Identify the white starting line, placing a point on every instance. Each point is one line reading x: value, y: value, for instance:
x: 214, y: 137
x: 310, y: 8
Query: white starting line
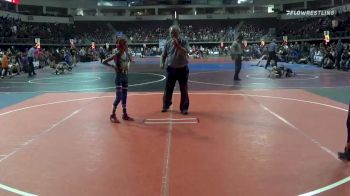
x: 167, y: 122
x: 171, y: 120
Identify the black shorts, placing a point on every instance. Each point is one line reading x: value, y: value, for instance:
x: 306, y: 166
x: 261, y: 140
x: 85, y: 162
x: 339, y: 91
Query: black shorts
x: 121, y: 80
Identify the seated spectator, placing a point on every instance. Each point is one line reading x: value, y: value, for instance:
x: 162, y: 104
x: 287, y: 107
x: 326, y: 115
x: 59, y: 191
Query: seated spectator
x: 328, y: 61
x: 344, y: 62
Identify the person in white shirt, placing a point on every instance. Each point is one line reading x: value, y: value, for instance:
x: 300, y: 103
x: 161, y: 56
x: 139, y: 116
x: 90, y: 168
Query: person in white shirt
x: 31, y: 55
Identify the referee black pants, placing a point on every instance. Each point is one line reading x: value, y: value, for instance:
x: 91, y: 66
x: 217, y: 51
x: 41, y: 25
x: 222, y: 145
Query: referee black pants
x: 348, y: 124
x: 272, y: 56
x: 238, y: 67
x: 173, y: 75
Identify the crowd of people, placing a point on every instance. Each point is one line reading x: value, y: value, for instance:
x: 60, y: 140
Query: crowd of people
x: 202, y: 37
x: 335, y: 55
x: 309, y: 28
x: 14, y: 61
x: 15, y: 31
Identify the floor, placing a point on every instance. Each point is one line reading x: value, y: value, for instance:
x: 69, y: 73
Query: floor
x: 260, y: 136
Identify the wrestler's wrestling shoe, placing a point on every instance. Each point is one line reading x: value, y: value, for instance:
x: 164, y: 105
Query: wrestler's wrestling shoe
x: 344, y: 155
x: 113, y: 119
x: 127, y: 117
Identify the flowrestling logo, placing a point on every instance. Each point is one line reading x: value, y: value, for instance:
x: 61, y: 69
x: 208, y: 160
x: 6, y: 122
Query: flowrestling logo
x: 310, y: 12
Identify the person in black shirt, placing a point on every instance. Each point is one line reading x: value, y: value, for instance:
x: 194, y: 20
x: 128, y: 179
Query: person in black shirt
x: 236, y: 55
x: 346, y: 154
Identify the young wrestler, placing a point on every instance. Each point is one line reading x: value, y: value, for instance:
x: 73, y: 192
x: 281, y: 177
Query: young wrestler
x: 122, y: 61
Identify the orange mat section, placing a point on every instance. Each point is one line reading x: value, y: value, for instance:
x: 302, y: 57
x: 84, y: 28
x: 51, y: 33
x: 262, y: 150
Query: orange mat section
x: 250, y: 143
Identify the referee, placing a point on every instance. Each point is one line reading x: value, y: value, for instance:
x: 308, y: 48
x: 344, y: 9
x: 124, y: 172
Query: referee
x: 272, y: 49
x: 236, y: 55
x: 175, y: 60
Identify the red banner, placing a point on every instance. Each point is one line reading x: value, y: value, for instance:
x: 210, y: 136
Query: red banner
x: 13, y: 1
